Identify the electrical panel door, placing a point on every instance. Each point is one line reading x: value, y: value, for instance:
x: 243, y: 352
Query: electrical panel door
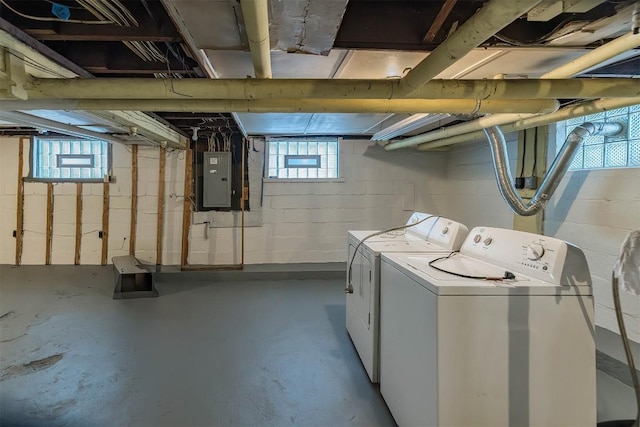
x: 216, y: 180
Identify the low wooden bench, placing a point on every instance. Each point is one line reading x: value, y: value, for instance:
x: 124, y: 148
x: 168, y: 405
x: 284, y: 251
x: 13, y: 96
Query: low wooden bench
x: 133, y: 279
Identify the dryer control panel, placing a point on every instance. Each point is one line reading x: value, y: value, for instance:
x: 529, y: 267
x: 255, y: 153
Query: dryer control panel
x: 422, y: 229
x: 534, y: 255
x: 448, y: 234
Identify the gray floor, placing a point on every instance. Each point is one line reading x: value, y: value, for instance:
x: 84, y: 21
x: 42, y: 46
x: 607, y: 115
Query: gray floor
x: 231, y: 353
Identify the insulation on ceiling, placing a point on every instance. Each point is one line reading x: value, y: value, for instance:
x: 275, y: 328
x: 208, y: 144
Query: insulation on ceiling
x: 305, y: 26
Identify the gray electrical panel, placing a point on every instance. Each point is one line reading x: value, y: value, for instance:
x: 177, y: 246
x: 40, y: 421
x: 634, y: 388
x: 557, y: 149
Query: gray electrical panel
x: 216, y: 180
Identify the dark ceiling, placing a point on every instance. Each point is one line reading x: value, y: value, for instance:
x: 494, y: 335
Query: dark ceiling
x: 146, y: 43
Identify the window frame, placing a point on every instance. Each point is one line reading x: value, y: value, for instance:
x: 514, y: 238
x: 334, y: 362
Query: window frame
x: 33, y: 141
x: 338, y: 178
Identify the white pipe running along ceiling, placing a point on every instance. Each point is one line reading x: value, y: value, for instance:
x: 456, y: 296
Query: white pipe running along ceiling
x: 614, y: 48
x: 38, y: 65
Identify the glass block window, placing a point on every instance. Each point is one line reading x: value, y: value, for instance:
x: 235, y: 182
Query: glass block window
x: 69, y: 159
x: 308, y: 158
x: 601, y: 152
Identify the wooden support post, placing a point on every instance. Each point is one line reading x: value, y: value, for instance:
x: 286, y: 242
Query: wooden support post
x: 186, y: 209
x: 160, y: 230
x: 49, y: 231
x: 20, y: 203
x: 134, y: 200
x: 105, y: 223
x: 76, y: 260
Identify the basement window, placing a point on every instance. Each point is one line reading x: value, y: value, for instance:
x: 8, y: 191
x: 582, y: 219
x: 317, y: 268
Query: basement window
x: 606, y: 152
x: 57, y: 159
x: 303, y: 158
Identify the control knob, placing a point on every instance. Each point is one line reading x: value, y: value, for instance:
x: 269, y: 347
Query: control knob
x: 487, y: 241
x: 535, y: 251
x: 477, y: 238
x: 445, y: 230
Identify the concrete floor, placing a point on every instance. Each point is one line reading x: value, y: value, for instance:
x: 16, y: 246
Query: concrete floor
x: 231, y: 353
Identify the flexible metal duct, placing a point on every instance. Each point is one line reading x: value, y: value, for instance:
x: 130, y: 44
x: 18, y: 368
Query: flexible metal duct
x: 554, y: 174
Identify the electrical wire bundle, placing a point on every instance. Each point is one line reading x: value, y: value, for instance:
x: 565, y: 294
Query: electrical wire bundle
x: 107, y: 12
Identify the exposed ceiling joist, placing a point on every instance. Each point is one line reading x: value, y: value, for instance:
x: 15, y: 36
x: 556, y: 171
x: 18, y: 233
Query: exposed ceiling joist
x: 74, y: 32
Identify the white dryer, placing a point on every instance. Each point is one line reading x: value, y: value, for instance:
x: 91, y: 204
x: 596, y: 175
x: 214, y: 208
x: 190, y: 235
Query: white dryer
x: 434, y: 235
x: 457, y: 351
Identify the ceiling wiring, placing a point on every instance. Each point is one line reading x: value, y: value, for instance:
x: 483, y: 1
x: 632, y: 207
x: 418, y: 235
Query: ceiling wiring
x: 52, y: 19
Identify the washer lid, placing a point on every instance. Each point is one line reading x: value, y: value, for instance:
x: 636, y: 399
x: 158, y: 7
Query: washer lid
x: 403, y: 244
x: 416, y: 266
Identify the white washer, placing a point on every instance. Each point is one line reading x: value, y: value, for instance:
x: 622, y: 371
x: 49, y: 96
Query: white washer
x: 465, y: 352
x: 434, y: 235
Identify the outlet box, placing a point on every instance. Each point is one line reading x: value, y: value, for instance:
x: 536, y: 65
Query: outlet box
x: 531, y: 182
x: 100, y: 234
x: 519, y: 183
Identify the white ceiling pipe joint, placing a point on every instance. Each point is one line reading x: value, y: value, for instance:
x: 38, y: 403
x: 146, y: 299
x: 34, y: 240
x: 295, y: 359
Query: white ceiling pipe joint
x: 555, y: 173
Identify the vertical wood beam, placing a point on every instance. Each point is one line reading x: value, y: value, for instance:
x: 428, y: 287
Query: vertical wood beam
x: 49, y: 231
x: 105, y: 223
x: 134, y: 200
x: 76, y: 260
x: 186, y: 208
x: 20, y: 203
x: 160, y: 229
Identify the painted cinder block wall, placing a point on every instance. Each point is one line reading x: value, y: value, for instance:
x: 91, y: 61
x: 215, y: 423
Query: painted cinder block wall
x: 64, y: 210
x: 297, y: 222
x: 308, y: 221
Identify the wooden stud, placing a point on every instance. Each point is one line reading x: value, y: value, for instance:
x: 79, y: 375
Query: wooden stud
x: 20, y: 203
x: 134, y: 200
x: 186, y: 209
x: 105, y: 222
x: 76, y: 260
x: 160, y: 229
x: 49, y: 236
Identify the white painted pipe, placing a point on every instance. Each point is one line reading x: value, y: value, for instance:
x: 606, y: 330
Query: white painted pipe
x: 597, y: 56
x: 491, y: 18
x: 462, y: 128
x: 566, y: 113
x: 458, y: 106
x: 594, y: 57
x: 256, y: 19
x: 20, y: 118
x: 142, y: 88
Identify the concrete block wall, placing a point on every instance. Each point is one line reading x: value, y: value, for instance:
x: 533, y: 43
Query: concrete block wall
x: 64, y: 210
x: 472, y: 195
x: 308, y: 221
x: 596, y: 210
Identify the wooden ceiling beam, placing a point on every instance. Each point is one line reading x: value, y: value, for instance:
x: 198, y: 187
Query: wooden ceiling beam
x: 74, y: 32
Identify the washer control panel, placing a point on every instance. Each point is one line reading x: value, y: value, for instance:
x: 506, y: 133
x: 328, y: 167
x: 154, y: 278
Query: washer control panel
x: 538, y: 256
